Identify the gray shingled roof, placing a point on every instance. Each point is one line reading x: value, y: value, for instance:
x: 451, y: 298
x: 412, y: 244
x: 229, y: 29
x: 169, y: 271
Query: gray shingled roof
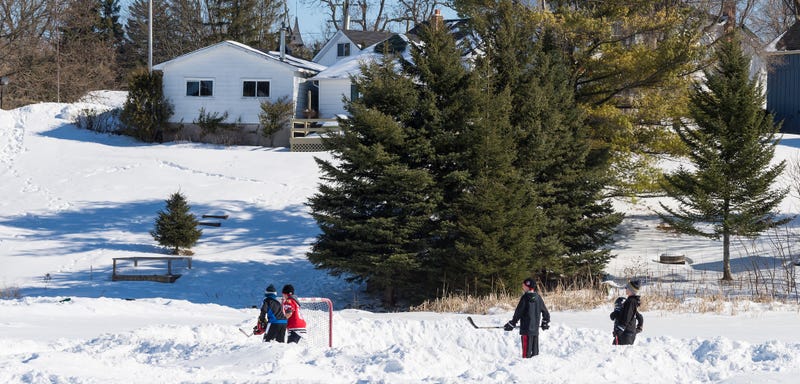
x: 366, y: 38
x: 790, y: 40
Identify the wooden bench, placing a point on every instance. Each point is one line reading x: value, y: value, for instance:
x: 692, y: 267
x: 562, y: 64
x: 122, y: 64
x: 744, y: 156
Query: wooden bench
x: 169, y: 277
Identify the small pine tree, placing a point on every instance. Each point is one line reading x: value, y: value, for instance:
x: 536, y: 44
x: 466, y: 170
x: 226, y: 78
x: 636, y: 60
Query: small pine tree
x: 176, y: 227
x: 731, y: 145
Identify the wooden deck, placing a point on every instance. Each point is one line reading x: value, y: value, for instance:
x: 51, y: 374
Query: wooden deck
x: 306, y: 134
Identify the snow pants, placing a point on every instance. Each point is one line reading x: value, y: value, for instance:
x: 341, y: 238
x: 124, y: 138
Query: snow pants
x: 624, y: 338
x: 294, y: 336
x: 275, y: 332
x: 530, y: 345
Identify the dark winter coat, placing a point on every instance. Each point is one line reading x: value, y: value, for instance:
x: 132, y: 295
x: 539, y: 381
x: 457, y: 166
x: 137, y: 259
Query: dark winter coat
x: 272, y: 311
x: 629, y: 317
x: 530, y: 311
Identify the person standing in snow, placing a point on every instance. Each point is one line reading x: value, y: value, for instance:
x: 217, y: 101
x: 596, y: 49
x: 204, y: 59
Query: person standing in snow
x: 529, y: 311
x: 627, y: 319
x: 271, y: 320
x: 296, y: 324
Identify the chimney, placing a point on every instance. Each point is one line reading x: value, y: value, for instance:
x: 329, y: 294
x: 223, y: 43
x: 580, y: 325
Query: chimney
x: 437, y: 19
x: 283, y: 42
x: 346, y: 16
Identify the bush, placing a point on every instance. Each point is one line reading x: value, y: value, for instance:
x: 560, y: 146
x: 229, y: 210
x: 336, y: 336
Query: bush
x: 98, y: 121
x: 275, y: 116
x: 211, y: 123
x: 146, y: 111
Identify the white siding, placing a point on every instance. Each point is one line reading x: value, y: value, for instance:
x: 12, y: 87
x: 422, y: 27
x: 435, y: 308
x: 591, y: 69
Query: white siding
x: 228, y: 67
x: 328, y: 55
x: 331, y: 92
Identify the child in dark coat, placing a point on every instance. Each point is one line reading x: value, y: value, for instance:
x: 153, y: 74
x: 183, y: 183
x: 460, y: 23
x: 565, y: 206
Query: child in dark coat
x: 529, y: 311
x: 627, y: 319
x: 271, y: 321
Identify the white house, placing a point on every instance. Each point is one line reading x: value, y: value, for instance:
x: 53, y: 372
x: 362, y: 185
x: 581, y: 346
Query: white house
x: 347, y: 43
x: 233, y: 78
x: 333, y: 84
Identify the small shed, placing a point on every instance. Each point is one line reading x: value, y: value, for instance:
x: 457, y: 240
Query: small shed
x: 783, y: 79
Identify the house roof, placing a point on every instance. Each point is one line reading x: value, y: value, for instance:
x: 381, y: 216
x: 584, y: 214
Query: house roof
x: 299, y: 64
x: 351, y: 66
x: 787, y: 41
x: 366, y: 38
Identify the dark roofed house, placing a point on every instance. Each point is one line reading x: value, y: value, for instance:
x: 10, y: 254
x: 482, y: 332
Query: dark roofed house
x: 783, y: 79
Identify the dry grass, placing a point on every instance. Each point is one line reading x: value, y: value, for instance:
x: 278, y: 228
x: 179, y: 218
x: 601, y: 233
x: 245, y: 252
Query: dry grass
x: 587, y: 299
x: 10, y: 293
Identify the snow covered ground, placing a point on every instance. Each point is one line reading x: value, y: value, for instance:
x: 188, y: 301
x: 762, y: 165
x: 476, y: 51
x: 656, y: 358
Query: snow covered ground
x: 72, y: 200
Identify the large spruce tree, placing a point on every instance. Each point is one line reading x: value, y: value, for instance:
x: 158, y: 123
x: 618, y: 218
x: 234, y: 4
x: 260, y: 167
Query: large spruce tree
x: 375, y: 207
x: 565, y: 174
x: 731, y: 139
x: 422, y: 194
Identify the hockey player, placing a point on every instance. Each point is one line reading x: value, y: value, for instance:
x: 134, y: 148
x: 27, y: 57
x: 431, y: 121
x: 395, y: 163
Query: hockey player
x: 528, y: 312
x: 296, y: 324
x: 627, y: 319
x: 271, y: 320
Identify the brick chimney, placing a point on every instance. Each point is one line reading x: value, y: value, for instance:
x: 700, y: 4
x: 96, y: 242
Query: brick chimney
x: 437, y: 19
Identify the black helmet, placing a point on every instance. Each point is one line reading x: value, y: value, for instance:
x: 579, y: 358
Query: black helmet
x: 288, y: 289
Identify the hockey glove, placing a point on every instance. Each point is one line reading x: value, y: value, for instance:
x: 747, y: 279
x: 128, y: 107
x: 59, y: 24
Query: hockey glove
x: 545, y: 325
x: 508, y: 327
x: 259, y: 329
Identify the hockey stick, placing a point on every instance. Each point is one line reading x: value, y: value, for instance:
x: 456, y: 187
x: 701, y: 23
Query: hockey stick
x: 484, y: 327
x: 245, y: 333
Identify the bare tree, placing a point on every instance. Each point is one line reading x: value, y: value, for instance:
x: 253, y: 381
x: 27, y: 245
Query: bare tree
x: 367, y: 15
x: 23, y: 23
x: 413, y: 12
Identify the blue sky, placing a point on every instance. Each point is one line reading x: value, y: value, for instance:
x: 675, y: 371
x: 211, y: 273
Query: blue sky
x: 311, y: 18
x: 310, y: 15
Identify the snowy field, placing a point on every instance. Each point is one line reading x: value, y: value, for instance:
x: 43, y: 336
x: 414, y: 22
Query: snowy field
x: 72, y: 200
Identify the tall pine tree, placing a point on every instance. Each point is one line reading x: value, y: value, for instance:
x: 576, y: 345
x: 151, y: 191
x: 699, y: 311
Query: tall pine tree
x: 729, y: 191
x: 374, y: 207
x: 565, y: 174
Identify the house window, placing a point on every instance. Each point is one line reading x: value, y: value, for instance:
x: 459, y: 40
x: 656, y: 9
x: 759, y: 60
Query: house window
x: 354, y: 95
x: 199, y: 88
x: 343, y: 49
x: 253, y: 88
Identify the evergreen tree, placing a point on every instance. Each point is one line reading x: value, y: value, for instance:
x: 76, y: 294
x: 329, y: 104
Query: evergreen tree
x: 146, y: 111
x: 627, y: 62
x: 251, y: 22
x: 565, y: 175
x: 423, y: 193
x: 373, y: 208
x: 109, y: 25
x: 176, y: 227
x: 731, y: 141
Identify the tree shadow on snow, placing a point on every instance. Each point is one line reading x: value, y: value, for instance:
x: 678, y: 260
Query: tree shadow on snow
x: 275, y: 236
x: 743, y: 264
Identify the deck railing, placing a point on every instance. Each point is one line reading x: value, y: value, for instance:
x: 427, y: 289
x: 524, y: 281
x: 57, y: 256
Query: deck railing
x: 305, y: 133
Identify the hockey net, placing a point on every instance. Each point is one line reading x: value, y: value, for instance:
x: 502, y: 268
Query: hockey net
x: 318, y: 313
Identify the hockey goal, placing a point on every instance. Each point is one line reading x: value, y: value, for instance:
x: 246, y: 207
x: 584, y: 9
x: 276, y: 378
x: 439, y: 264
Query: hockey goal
x: 318, y: 313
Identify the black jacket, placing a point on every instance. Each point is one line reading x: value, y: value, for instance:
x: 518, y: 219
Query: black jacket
x: 530, y: 311
x: 272, y: 311
x: 629, y: 317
